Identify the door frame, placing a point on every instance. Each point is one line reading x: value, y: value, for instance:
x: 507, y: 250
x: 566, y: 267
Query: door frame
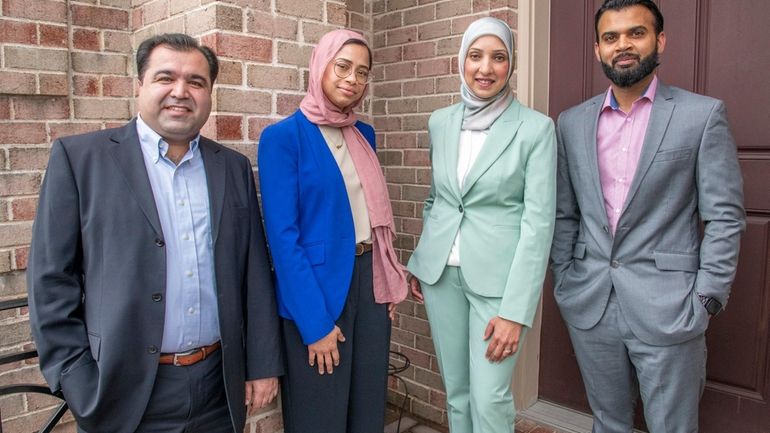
x: 532, y: 90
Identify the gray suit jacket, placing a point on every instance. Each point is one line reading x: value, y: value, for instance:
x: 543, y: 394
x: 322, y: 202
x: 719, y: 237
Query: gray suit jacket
x: 96, y: 278
x: 657, y: 261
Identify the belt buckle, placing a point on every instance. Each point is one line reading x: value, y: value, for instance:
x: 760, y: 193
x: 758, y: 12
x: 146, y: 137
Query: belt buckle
x: 359, y: 249
x: 178, y: 363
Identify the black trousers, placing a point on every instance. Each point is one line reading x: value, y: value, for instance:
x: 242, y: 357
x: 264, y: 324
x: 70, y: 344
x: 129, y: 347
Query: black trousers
x: 352, y: 398
x: 188, y: 400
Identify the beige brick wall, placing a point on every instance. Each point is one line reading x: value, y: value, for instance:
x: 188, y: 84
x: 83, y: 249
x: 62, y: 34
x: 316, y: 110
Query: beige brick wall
x: 416, y: 44
x: 66, y: 67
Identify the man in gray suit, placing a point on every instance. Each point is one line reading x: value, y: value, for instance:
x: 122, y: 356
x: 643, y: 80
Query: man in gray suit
x: 151, y: 301
x: 640, y: 167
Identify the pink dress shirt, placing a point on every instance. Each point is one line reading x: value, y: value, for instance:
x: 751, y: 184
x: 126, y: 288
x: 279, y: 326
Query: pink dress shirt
x: 619, y: 140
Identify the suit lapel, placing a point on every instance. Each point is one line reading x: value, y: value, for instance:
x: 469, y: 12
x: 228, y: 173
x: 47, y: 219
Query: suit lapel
x: 500, y: 136
x: 662, y: 108
x: 590, y: 127
x: 127, y: 153
x: 216, y: 178
x: 452, y: 147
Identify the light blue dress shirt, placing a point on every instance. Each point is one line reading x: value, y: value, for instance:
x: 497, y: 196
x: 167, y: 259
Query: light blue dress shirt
x: 182, y: 200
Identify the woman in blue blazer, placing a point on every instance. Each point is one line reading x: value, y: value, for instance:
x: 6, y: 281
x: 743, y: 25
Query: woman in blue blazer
x: 330, y: 229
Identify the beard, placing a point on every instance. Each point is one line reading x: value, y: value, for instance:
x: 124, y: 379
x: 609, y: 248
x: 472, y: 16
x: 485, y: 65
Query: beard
x: 627, y: 77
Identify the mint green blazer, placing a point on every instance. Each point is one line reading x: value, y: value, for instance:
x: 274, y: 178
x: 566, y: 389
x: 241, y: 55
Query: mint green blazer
x: 506, y: 209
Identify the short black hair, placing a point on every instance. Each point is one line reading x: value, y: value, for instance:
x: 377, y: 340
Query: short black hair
x: 176, y: 42
x: 363, y: 44
x: 616, y: 5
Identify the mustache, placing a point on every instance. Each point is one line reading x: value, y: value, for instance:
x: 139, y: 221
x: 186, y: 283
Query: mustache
x: 624, y: 56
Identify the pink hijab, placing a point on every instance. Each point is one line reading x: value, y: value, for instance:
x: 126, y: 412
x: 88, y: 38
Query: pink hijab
x: 389, y: 279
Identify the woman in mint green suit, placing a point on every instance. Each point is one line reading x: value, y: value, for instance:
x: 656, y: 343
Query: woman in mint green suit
x: 487, y: 228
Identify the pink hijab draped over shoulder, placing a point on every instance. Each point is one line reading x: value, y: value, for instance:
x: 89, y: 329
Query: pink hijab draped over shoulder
x: 389, y: 279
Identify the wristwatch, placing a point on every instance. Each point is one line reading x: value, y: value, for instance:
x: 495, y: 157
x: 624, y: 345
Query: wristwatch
x: 712, y: 306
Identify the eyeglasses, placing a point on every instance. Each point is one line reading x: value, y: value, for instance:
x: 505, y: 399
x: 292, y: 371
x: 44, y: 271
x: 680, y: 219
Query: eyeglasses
x: 344, y: 69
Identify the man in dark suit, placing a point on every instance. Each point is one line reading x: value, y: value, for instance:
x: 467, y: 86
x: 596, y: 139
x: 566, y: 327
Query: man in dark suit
x: 151, y: 301
x: 641, y: 166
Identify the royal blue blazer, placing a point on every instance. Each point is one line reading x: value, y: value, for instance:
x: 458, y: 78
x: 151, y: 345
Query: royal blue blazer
x: 308, y: 222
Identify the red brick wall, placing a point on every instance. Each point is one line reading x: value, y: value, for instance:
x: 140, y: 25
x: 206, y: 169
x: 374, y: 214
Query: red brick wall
x: 416, y: 45
x: 64, y: 70
x: 67, y: 68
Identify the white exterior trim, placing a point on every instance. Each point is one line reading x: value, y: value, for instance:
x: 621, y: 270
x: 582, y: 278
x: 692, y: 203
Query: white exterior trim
x: 532, y: 83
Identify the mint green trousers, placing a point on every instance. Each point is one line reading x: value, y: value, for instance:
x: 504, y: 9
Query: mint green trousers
x: 479, y: 397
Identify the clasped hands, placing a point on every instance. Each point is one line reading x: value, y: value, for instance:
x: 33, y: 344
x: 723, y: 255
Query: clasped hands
x: 502, y: 334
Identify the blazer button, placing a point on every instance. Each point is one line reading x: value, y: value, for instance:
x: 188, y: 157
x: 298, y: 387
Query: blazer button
x: 615, y: 264
x: 159, y: 242
x: 606, y: 229
x: 157, y: 297
x: 152, y: 350
x: 460, y: 208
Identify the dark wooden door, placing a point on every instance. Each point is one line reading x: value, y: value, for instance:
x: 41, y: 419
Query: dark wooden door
x: 718, y: 48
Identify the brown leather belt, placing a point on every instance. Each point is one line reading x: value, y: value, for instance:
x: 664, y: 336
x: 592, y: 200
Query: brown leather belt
x: 183, y: 359
x: 363, y: 248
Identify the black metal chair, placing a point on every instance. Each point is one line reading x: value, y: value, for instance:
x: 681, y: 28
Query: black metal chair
x: 25, y: 388
x: 401, y: 364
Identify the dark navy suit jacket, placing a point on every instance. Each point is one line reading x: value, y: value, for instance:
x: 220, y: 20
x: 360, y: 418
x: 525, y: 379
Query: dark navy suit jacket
x: 97, y: 272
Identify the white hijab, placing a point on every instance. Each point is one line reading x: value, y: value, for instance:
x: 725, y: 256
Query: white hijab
x: 481, y: 113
